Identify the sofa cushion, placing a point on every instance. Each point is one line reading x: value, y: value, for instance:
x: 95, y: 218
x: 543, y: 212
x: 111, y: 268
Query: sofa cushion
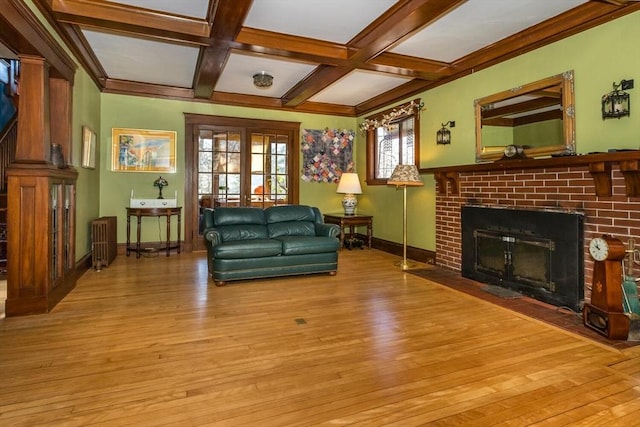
x: 299, y: 245
x: 287, y: 213
x: 242, y: 232
x: 255, y: 248
x: 239, y: 216
x: 292, y: 228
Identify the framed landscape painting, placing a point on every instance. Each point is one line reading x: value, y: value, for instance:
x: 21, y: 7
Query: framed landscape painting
x: 142, y: 150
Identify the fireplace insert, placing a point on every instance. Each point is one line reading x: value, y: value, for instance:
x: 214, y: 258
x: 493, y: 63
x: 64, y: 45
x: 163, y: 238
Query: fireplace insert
x: 536, y: 252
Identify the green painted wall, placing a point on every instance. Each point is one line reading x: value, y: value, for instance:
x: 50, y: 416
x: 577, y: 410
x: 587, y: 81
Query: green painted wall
x: 160, y: 114
x: 599, y: 57
x: 86, y: 112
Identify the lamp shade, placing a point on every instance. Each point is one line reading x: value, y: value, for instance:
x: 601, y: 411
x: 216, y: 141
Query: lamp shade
x: 405, y: 175
x: 349, y: 184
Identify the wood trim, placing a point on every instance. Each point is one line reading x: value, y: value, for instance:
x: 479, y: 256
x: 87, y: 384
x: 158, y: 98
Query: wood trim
x: 413, y: 253
x: 599, y: 166
x: 213, y: 58
x: 328, y: 52
x: 24, y: 34
x: 127, y: 18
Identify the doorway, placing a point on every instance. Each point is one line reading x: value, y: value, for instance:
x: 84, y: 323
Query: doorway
x: 235, y: 162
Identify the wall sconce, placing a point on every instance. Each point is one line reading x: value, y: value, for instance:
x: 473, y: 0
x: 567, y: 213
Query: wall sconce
x: 263, y: 80
x: 443, y: 136
x: 617, y: 103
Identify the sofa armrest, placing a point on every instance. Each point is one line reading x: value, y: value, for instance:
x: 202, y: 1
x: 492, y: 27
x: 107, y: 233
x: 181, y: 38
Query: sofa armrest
x: 330, y: 230
x: 212, y: 236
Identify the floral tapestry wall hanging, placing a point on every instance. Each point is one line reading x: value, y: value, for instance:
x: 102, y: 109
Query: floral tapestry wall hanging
x: 326, y: 154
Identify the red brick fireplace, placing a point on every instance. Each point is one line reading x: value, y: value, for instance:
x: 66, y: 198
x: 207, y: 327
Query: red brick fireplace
x: 604, y: 187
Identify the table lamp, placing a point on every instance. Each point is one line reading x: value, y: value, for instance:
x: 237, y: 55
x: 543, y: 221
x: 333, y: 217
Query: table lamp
x: 349, y: 185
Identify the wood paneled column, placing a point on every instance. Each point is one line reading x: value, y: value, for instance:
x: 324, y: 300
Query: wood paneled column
x: 33, y: 111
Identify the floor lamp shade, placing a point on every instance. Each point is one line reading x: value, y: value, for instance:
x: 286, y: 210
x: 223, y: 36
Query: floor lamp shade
x: 349, y: 185
x: 405, y: 176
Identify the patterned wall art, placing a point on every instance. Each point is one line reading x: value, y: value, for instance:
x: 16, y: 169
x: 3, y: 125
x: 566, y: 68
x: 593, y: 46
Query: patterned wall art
x: 326, y: 154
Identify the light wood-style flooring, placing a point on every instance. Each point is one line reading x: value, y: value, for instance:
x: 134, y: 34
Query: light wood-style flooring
x: 154, y: 342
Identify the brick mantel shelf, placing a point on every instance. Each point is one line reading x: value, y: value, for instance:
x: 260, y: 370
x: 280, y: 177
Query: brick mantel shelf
x: 599, y: 167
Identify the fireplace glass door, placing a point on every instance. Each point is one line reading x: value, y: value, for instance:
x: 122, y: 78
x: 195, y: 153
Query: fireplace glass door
x: 514, y: 258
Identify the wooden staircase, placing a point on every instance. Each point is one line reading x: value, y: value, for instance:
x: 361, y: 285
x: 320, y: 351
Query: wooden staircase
x: 8, y: 140
x: 8, y: 143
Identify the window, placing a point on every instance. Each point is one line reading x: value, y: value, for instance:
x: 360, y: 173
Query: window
x: 396, y: 142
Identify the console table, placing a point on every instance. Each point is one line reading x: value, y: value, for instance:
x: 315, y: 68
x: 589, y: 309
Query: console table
x: 350, y: 221
x: 139, y: 213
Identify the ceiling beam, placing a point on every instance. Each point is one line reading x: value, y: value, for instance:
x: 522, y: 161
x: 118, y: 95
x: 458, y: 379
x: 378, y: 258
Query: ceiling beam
x: 258, y: 40
x: 127, y: 18
x: 227, y: 23
x: 399, y: 22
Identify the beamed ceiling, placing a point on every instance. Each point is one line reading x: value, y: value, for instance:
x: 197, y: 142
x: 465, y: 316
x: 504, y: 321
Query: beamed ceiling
x: 345, y: 57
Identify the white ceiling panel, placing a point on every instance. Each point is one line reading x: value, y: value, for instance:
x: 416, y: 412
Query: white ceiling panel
x: 330, y: 20
x: 357, y: 87
x: 170, y: 52
x: 479, y: 23
x: 139, y: 60
x: 193, y: 8
x: 237, y: 76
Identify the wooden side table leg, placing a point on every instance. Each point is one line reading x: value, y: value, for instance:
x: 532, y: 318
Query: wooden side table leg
x: 370, y: 231
x: 179, y: 226
x: 341, y: 234
x: 168, y: 234
x: 139, y: 219
x: 128, y: 233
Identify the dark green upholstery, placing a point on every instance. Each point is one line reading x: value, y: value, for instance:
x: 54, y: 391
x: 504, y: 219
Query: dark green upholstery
x: 248, y: 243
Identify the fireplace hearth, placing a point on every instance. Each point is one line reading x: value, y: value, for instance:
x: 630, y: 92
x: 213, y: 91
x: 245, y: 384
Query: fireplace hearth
x: 536, y: 252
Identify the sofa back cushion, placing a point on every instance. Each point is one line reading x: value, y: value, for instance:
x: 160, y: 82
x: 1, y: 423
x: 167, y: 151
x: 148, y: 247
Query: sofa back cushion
x: 290, y: 220
x: 240, y: 223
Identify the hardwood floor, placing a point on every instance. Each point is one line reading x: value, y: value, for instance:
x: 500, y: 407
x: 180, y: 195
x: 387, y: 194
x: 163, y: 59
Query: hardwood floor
x: 154, y: 342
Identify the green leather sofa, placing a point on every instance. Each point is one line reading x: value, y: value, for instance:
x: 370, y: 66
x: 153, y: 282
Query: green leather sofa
x: 249, y: 243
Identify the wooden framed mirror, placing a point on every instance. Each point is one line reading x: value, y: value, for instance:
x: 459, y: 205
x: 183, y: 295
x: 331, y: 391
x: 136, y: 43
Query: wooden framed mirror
x: 538, y: 116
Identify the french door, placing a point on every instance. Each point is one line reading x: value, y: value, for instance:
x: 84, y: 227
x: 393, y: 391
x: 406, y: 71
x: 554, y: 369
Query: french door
x: 237, y: 162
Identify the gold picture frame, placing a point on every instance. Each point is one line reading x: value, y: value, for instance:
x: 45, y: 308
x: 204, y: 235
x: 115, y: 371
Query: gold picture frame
x: 142, y: 150
x: 89, y: 141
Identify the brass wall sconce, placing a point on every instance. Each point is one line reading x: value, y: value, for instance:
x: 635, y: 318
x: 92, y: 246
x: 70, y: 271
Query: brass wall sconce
x: 617, y: 103
x: 443, y: 136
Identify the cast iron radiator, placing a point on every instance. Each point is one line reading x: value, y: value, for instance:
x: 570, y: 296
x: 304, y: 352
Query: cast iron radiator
x: 103, y: 241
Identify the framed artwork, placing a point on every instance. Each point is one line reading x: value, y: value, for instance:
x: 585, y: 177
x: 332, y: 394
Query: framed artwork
x: 89, y: 139
x: 142, y: 150
x: 326, y: 154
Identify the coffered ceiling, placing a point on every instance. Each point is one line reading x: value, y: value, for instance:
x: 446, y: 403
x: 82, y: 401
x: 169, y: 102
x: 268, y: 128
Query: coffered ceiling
x: 345, y: 57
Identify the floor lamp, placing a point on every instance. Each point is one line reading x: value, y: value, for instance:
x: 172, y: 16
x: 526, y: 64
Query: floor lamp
x: 405, y: 176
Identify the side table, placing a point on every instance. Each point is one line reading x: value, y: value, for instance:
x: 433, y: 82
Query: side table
x: 138, y: 213
x: 350, y: 221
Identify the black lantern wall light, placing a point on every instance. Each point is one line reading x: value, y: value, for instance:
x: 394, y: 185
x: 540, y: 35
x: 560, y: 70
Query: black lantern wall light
x: 617, y: 103
x: 443, y: 136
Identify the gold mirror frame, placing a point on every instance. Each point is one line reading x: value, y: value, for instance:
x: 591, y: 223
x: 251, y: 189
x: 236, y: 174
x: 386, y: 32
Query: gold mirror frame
x: 560, y: 85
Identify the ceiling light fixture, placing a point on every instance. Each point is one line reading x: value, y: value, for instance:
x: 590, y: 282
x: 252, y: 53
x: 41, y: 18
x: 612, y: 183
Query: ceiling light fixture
x: 262, y: 80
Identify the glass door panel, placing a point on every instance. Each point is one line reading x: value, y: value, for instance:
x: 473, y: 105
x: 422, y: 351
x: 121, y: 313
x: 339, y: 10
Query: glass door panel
x: 269, y: 169
x: 236, y: 162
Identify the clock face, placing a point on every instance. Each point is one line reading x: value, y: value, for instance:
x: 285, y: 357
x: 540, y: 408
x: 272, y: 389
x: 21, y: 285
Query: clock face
x: 510, y: 150
x: 599, y: 249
